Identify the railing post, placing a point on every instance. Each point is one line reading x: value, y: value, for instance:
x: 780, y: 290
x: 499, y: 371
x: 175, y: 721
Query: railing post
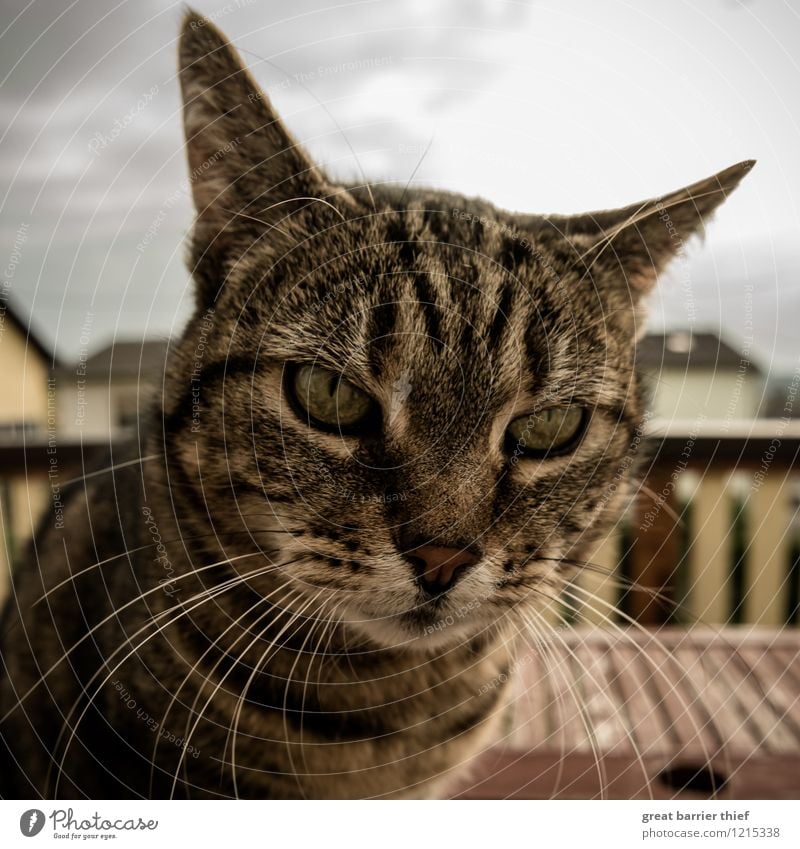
x: 603, y: 587
x: 709, y: 554
x: 769, y: 519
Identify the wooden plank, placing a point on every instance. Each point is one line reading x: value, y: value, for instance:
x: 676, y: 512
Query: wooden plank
x: 781, y: 702
x: 682, y: 700
x: 704, y: 635
x: 786, y: 685
x: 637, y: 716
x: 606, y: 713
x: 643, y: 711
x: 789, y: 658
x: 503, y: 775
x: 656, y: 546
x: 766, y: 778
x: 747, y: 700
x: 532, y: 702
x: 720, y: 720
x: 568, y: 715
x: 557, y: 724
x: 687, y: 662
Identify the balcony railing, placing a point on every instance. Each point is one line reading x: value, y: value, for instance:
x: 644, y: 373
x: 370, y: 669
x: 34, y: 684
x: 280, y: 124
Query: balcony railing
x: 715, y: 531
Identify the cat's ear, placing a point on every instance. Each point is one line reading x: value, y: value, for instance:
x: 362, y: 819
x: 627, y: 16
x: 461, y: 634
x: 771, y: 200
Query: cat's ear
x: 642, y: 238
x: 243, y: 162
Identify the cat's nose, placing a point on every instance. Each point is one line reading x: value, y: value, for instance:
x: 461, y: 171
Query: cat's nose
x: 438, y: 567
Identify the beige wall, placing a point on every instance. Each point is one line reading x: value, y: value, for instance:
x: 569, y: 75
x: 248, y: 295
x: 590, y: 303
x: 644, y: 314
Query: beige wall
x: 721, y: 394
x: 23, y: 378
x: 23, y: 398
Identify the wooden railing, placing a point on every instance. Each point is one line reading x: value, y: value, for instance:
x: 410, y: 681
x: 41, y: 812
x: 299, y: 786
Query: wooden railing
x: 714, y: 530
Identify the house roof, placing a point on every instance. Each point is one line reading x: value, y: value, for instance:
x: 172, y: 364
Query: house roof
x: 27, y: 331
x: 128, y: 358
x: 685, y: 350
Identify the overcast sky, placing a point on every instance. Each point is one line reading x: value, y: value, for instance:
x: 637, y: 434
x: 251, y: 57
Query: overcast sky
x: 558, y: 106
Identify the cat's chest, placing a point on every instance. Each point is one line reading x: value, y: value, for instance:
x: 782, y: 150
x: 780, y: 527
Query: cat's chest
x: 349, y: 726
x: 397, y: 732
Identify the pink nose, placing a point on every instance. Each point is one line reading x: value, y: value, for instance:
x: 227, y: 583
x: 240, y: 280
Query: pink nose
x: 439, y: 566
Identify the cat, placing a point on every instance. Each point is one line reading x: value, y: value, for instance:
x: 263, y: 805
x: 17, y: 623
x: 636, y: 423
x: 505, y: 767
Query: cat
x: 396, y: 423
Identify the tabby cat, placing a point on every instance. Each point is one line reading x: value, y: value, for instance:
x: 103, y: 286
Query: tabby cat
x: 396, y: 422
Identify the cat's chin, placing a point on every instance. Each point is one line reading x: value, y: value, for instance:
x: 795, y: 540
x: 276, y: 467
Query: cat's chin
x: 417, y: 632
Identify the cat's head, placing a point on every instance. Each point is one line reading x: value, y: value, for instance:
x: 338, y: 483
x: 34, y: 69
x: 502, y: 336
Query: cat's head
x: 416, y: 402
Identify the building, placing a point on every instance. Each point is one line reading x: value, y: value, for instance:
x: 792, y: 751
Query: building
x: 698, y: 376
x: 99, y: 397
x: 27, y: 416
x: 27, y: 365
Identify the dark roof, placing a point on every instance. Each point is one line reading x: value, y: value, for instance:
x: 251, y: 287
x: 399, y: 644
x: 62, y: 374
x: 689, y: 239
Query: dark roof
x: 24, y: 328
x: 685, y: 349
x: 128, y: 358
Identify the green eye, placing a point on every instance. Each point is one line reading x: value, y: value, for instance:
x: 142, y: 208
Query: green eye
x: 328, y: 399
x: 552, y: 431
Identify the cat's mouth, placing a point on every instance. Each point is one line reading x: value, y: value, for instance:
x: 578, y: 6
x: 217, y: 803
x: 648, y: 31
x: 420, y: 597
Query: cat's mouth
x: 431, y: 617
x: 409, y: 613
x: 433, y: 624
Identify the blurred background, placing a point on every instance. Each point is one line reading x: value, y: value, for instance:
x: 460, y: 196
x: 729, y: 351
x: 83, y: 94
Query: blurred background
x: 537, y: 106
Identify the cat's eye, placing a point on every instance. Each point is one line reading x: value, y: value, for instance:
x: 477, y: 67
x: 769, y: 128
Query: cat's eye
x: 328, y: 400
x: 546, y: 433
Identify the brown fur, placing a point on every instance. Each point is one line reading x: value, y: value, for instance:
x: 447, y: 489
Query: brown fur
x: 306, y: 662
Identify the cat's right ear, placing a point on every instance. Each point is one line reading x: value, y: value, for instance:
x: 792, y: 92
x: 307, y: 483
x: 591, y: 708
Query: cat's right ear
x: 245, y: 167
x: 636, y: 242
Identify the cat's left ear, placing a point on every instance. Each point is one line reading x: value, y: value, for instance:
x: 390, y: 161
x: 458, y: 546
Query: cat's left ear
x: 641, y: 239
x: 245, y: 167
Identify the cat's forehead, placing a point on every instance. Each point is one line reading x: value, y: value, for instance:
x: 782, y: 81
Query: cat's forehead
x: 429, y: 326
x: 461, y: 300
x: 465, y: 266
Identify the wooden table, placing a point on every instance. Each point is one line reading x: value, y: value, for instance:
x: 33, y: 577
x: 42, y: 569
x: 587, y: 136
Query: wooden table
x: 674, y: 714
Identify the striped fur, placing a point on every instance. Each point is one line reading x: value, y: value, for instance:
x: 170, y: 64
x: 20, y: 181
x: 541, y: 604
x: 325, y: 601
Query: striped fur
x: 275, y: 643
